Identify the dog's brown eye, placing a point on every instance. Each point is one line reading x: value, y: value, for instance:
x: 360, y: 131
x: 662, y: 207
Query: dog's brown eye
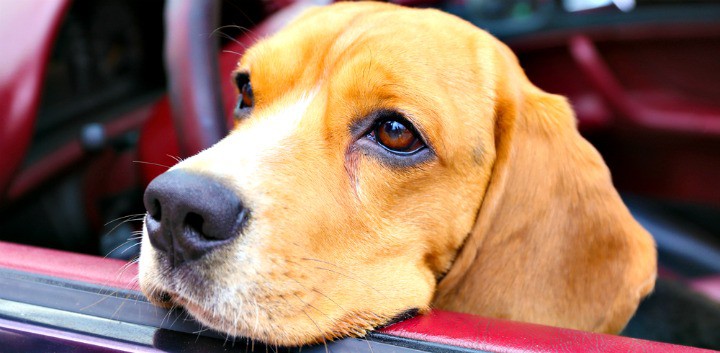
x: 247, y: 100
x: 396, y: 136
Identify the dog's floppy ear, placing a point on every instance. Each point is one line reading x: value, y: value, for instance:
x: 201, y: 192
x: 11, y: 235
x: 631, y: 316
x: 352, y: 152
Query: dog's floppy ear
x: 553, y: 242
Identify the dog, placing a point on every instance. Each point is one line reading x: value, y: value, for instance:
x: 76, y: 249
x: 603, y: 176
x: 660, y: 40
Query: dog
x: 388, y: 160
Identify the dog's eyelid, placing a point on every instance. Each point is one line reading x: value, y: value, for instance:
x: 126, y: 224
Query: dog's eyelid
x: 414, y: 127
x: 240, y: 78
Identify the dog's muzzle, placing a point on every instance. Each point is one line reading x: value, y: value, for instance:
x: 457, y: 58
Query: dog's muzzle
x: 191, y: 214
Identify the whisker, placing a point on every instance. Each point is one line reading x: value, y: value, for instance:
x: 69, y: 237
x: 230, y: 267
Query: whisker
x: 330, y: 299
x: 369, y: 345
x: 322, y: 334
x: 175, y: 158
x: 243, y: 29
x: 167, y: 315
x: 343, y: 274
x: 232, y: 52
x: 151, y: 163
x: 204, y: 329
x: 130, y: 247
x: 128, y: 220
x: 246, y: 30
x: 107, y: 291
x: 114, y: 314
x: 131, y: 239
x: 104, y: 297
x: 314, y: 290
x: 224, y: 35
x: 125, y: 217
x: 126, y: 266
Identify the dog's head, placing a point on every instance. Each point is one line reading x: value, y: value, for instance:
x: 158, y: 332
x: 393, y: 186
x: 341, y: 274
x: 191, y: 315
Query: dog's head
x: 389, y: 159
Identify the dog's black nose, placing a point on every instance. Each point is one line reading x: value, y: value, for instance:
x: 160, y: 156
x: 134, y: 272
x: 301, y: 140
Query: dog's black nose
x: 190, y: 214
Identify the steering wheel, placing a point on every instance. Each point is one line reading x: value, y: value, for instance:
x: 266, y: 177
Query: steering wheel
x: 191, y: 60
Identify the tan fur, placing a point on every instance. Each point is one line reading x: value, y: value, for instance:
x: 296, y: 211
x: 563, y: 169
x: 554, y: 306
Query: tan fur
x: 514, y: 216
x: 551, y: 228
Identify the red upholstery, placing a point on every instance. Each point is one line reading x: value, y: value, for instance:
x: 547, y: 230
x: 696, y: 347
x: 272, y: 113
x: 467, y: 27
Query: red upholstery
x: 28, y: 29
x: 79, y: 267
x: 496, y: 335
x: 443, y: 327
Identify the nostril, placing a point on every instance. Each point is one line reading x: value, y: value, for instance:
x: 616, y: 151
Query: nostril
x: 156, y: 211
x: 153, y: 223
x: 195, y: 222
x: 189, y: 215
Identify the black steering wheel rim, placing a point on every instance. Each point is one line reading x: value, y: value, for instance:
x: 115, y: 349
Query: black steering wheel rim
x: 191, y: 61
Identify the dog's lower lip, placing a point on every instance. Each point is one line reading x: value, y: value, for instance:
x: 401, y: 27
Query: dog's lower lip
x: 164, y: 297
x: 199, y: 313
x: 407, y: 314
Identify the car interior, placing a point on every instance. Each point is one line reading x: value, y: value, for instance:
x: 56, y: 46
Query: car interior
x: 118, y: 105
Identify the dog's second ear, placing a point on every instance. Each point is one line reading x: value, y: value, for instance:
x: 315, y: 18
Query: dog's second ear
x: 553, y: 242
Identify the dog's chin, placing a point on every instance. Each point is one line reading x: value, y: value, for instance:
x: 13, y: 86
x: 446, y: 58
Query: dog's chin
x: 286, y: 332
x: 251, y: 310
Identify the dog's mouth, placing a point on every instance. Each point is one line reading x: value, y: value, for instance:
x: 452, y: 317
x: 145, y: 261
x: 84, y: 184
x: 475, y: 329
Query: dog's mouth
x: 353, y: 325
x: 407, y: 314
x: 275, y: 302
x: 202, y: 313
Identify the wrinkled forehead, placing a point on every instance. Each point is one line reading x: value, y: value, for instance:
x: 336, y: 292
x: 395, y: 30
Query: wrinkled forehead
x: 378, y: 56
x: 407, y: 45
